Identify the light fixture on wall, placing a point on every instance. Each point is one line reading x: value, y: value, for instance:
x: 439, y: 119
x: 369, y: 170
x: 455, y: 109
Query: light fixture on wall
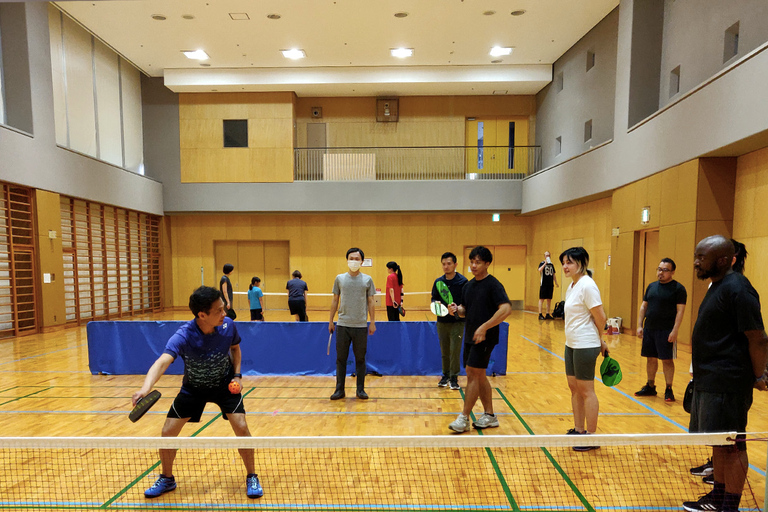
x: 495, y: 217
x: 645, y: 216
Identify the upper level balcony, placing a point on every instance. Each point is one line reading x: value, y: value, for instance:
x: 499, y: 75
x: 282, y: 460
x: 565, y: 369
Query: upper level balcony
x: 416, y: 163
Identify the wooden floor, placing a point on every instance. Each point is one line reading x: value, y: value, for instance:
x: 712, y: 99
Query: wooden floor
x: 47, y: 390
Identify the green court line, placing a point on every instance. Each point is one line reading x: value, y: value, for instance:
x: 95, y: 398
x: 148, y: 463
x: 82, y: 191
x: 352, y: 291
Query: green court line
x: 496, y: 468
x: 15, y: 387
x: 25, y: 396
x: 107, y: 503
x: 549, y: 456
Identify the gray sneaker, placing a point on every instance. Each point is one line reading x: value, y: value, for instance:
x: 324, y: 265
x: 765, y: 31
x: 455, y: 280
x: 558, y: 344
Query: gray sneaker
x: 460, y: 424
x: 486, y: 421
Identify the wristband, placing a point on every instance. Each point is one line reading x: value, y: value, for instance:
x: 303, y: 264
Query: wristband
x: 237, y: 376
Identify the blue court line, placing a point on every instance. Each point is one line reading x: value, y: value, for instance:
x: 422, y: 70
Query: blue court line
x: 652, y: 410
x: 45, y: 354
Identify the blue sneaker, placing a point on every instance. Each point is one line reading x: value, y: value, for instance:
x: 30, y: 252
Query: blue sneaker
x: 253, y: 487
x: 164, y: 484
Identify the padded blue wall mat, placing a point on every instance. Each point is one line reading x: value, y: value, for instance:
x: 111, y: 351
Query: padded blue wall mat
x: 280, y: 348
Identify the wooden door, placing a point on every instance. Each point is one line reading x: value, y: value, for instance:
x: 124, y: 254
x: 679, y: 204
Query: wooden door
x: 250, y: 261
x: 276, y: 272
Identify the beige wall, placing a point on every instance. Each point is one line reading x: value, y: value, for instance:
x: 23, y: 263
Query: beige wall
x: 269, y: 155
x: 318, y: 244
x: 50, y: 259
x: 550, y: 231
x: 750, y: 218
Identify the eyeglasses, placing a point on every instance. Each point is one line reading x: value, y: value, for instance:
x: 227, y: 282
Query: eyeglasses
x: 659, y: 269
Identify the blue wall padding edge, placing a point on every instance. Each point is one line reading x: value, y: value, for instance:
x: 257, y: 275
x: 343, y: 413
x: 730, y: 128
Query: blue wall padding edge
x: 280, y: 348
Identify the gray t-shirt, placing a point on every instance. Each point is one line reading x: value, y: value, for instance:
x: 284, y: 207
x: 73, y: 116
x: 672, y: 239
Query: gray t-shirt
x: 353, y: 294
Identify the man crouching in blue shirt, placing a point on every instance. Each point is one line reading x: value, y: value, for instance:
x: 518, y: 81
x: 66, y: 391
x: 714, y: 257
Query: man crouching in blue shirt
x: 209, y: 345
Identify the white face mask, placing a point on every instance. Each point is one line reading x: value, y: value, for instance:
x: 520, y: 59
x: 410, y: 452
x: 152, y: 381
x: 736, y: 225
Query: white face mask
x: 548, y: 260
x: 354, y: 265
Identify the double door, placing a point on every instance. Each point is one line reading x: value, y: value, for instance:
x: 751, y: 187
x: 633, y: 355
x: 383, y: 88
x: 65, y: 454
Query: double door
x: 267, y: 260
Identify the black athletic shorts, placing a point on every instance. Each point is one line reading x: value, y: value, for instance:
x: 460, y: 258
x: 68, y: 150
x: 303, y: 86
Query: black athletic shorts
x: 656, y: 344
x: 478, y: 355
x: 546, y: 292
x: 298, y: 307
x: 256, y: 314
x: 191, y: 405
x: 720, y: 412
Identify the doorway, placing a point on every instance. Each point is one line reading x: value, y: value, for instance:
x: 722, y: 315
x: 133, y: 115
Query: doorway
x: 265, y: 259
x: 496, y: 145
x: 648, y: 259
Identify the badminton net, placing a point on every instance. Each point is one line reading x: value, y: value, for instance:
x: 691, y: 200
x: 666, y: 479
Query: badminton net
x: 336, y: 474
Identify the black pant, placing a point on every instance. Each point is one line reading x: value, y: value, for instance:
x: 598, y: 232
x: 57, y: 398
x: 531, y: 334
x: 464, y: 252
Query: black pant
x: 393, y: 314
x: 358, y: 337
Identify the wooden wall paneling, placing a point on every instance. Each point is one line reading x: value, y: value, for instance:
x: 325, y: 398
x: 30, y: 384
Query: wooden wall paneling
x: 50, y: 257
x: 510, y: 269
x: 250, y: 263
x: 717, y: 188
x: 277, y: 271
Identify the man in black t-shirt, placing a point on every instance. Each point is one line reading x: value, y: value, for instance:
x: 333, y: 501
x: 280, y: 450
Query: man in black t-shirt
x: 485, y: 306
x: 729, y: 349
x: 547, y: 284
x: 225, y: 287
x: 662, y: 309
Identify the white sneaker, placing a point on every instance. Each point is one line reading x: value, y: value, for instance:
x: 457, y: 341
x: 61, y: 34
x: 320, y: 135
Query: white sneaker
x: 460, y: 424
x: 486, y: 421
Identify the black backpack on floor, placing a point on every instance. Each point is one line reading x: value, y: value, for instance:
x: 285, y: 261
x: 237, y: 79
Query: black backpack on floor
x: 559, y: 311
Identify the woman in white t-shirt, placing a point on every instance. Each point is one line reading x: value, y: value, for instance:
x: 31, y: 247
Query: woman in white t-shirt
x: 584, y: 321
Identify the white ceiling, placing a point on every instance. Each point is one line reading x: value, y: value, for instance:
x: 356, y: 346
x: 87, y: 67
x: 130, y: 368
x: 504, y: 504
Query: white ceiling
x: 347, y: 43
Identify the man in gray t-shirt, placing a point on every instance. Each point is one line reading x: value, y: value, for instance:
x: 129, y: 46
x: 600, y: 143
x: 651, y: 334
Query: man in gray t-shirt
x: 353, y: 297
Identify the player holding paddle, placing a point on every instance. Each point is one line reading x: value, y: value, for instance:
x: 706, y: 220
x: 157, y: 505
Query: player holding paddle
x: 209, y: 345
x: 486, y: 305
x: 447, y: 290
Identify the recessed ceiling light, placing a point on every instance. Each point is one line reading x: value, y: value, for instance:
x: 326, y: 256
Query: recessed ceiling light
x: 293, y: 53
x: 158, y: 17
x: 489, y: 13
x: 239, y: 16
x: 498, y: 51
x: 274, y: 16
x: 401, y: 53
x: 188, y: 16
x: 195, y: 54
x: 518, y: 12
x: 401, y: 14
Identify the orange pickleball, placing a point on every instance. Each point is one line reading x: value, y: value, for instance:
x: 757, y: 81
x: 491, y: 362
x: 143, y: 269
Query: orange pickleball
x: 234, y: 387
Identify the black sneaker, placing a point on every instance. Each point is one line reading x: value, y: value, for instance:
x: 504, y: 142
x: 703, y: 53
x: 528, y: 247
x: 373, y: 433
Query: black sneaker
x: 443, y: 382
x: 584, y: 448
x: 572, y: 432
x: 709, y: 479
x: 541, y: 317
x: 705, y: 469
x: 454, y: 385
x: 338, y: 394
x: 647, y: 390
x: 548, y: 317
x: 669, y: 396
x: 707, y: 503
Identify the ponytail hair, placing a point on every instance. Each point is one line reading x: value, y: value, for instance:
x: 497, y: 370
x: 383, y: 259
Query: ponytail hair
x: 394, y: 266
x: 254, y: 280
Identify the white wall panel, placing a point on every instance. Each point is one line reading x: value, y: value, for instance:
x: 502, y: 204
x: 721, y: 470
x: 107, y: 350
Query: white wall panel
x: 108, y: 104
x: 57, y: 74
x: 132, y: 130
x: 79, y: 88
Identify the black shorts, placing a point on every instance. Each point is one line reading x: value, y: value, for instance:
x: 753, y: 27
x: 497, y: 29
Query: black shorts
x: 656, y: 344
x: 478, y: 355
x: 191, y: 405
x: 720, y: 412
x: 546, y: 292
x: 256, y: 314
x: 298, y: 307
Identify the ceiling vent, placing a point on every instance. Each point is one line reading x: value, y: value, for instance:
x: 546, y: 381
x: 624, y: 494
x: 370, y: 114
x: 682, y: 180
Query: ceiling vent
x: 387, y: 110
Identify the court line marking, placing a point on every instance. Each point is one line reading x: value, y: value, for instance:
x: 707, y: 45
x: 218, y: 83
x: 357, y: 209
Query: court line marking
x: 323, y: 413
x: 45, y: 354
x: 633, y: 399
x: 549, y: 456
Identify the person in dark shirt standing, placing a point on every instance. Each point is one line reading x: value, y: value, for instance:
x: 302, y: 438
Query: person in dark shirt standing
x: 486, y: 305
x: 662, y: 309
x: 450, y: 327
x: 729, y: 349
x: 227, y: 293
x: 547, y: 285
x: 297, y: 297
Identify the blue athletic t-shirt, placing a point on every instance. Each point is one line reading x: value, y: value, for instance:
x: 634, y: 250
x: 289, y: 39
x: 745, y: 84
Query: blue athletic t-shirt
x: 207, y: 365
x: 254, y: 295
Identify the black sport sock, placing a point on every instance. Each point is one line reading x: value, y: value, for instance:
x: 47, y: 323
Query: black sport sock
x: 731, y: 501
